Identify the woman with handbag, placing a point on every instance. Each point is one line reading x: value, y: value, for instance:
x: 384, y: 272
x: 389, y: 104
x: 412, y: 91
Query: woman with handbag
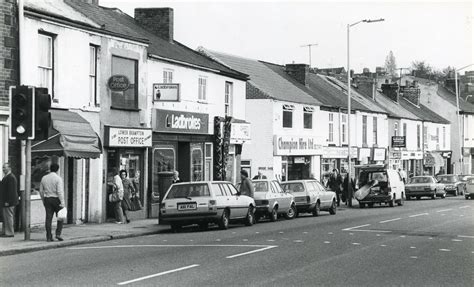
x: 116, y: 197
x: 128, y: 190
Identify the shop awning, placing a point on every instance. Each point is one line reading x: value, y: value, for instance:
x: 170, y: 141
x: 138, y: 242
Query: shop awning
x: 71, y: 136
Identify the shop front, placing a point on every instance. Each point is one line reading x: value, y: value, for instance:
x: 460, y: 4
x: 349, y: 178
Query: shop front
x: 336, y: 157
x: 379, y: 155
x: 298, y: 156
x: 126, y: 149
x: 437, y: 162
x: 181, y: 142
x: 395, y: 159
x: 412, y: 162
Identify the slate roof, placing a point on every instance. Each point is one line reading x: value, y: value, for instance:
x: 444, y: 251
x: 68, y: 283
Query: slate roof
x: 264, y: 82
x: 117, y: 22
x: 423, y: 112
x: 449, y: 96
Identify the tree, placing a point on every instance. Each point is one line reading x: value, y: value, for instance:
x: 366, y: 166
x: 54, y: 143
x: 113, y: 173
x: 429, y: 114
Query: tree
x: 421, y: 69
x: 391, y: 64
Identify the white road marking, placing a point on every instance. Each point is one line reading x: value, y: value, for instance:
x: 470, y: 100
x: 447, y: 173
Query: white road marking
x: 430, y: 238
x: 355, y: 243
x: 270, y: 240
x: 351, y: 233
x: 456, y: 240
x: 355, y: 227
x: 390, y: 220
x: 412, y: 247
x: 250, y: 252
x: 416, y: 215
x: 281, y: 232
x: 164, y: 246
x: 377, y: 235
x: 465, y: 206
x: 164, y: 240
x: 466, y: 236
x: 444, y: 210
x: 256, y: 232
x: 298, y: 241
x: 330, y: 233
x: 327, y: 242
x: 191, y: 240
x: 305, y: 232
x: 402, y: 236
x: 445, y: 250
x: 461, y: 215
x: 414, y: 257
x: 218, y: 240
x: 443, y: 214
x: 383, y: 245
x: 245, y: 240
x: 158, y: 274
x: 233, y: 232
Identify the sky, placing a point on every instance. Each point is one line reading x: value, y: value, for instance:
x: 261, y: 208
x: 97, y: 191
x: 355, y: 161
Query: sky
x: 438, y: 32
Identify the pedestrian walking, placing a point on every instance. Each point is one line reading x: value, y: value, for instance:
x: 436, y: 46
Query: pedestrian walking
x: 176, y: 178
x: 128, y: 191
x: 116, y: 196
x: 246, y: 185
x: 335, y: 182
x: 260, y: 176
x: 347, y: 191
x: 52, y: 194
x: 8, y: 200
x: 403, y: 175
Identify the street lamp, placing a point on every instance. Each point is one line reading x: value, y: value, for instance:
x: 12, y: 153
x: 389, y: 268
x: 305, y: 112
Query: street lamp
x: 461, y: 138
x: 349, y: 187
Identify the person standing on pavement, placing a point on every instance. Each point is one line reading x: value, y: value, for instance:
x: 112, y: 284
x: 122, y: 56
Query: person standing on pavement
x: 403, y: 175
x: 246, y: 185
x: 118, y: 188
x: 335, y: 182
x: 347, y: 192
x: 52, y: 194
x: 260, y: 176
x: 128, y: 190
x: 8, y: 200
x: 176, y: 178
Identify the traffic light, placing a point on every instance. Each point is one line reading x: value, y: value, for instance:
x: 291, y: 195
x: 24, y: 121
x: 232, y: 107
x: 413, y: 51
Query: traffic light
x: 42, y: 115
x: 22, y: 103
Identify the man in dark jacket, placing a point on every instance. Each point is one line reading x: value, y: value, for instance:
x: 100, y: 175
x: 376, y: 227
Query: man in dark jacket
x: 347, y: 191
x: 8, y: 200
x: 335, y: 182
x: 246, y: 185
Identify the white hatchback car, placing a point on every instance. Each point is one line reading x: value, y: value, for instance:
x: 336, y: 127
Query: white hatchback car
x: 310, y: 196
x: 271, y: 200
x: 203, y: 203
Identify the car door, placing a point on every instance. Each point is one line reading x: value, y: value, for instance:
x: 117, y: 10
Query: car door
x: 324, y: 196
x: 220, y: 196
x: 393, y: 182
x: 273, y: 196
x: 239, y: 202
x: 312, y: 191
x: 280, y: 196
x: 286, y: 195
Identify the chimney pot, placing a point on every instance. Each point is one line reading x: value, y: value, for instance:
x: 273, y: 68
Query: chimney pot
x: 159, y: 21
x: 299, y: 72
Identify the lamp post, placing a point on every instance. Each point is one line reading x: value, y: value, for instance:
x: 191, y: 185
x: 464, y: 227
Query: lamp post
x: 349, y: 187
x: 461, y: 138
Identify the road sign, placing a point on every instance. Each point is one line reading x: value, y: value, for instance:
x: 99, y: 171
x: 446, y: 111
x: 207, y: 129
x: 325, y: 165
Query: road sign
x: 399, y: 141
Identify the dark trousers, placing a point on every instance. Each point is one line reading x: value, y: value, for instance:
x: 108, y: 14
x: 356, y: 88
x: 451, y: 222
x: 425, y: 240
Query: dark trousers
x: 8, y: 218
x: 51, y: 204
x: 338, y: 197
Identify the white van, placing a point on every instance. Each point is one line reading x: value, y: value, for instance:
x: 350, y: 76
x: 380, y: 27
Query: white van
x: 378, y: 184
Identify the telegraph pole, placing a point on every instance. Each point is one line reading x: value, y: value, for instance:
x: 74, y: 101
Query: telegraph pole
x: 309, y: 49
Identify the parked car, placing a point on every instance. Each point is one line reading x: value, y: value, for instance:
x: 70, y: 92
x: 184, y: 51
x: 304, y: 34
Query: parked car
x: 310, y: 196
x: 419, y: 186
x: 271, y: 200
x: 469, y: 193
x: 378, y: 184
x: 203, y: 203
x: 452, y: 184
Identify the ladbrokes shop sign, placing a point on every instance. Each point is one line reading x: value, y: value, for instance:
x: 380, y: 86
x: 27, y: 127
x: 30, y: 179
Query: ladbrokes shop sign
x: 180, y: 122
x: 296, y: 145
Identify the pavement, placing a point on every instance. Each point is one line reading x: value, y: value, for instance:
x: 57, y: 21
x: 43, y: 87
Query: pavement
x: 78, y: 234
x: 423, y: 243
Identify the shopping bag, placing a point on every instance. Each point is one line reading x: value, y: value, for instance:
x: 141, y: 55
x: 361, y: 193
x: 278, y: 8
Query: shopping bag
x: 135, y: 204
x: 62, y: 214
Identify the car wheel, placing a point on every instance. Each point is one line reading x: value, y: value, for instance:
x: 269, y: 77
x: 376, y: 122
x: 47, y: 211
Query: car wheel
x: 407, y: 197
x: 361, y: 205
x: 317, y: 209
x: 400, y: 201
x: 433, y: 196
x: 333, y: 208
x: 274, y: 215
x: 224, y: 220
x: 175, y: 227
x: 291, y: 212
x: 443, y: 195
x: 249, y: 219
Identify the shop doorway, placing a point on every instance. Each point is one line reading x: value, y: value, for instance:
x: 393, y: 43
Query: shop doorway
x: 299, y: 167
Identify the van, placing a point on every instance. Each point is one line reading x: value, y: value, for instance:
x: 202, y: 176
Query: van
x: 378, y: 184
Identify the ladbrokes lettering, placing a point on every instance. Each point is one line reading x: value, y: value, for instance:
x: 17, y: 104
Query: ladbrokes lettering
x: 182, y: 122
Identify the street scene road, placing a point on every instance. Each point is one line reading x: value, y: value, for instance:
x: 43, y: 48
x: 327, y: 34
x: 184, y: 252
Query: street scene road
x: 423, y: 243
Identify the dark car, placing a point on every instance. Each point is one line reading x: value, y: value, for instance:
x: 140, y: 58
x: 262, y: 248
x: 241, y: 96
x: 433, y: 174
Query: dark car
x: 452, y: 184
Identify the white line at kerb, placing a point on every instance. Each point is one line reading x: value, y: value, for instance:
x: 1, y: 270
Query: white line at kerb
x: 465, y: 206
x: 444, y: 210
x: 158, y: 274
x: 250, y: 252
x: 390, y: 220
x: 416, y: 215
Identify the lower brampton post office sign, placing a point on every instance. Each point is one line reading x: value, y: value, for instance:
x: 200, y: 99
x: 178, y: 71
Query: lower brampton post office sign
x: 128, y: 137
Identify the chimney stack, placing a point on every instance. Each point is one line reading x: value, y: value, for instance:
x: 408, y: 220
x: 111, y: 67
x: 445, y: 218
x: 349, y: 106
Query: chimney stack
x: 391, y: 91
x: 93, y: 2
x: 299, y: 72
x: 158, y: 21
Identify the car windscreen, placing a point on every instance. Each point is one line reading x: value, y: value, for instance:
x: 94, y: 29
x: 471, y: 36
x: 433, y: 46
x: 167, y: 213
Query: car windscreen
x: 447, y: 179
x: 470, y: 180
x: 260, y: 186
x: 188, y: 191
x: 293, y: 187
x: 421, y: 180
x: 372, y: 176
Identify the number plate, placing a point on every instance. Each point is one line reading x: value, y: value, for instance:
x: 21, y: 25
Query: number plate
x: 187, y: 206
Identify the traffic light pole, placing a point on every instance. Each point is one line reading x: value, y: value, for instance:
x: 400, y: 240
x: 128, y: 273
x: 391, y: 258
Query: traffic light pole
x: 27, y: 199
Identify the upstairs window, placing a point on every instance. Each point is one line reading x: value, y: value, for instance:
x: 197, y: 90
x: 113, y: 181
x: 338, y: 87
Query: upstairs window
x: 395, y: 129
x: 444, y: 137
x: 331, y: 128
x: 93, y: 99
x: 228, y: 98
x: 202, y: 89
x: 308, y: 117
x: 167, y: 76
x: 288, y: 116
x: 46, y: 62
x: 374, y: 130
x: 425, y: 137
x: 344, y: 128
x: 127, y: 99
x: 418, y: 136
x: 405, y: 130
x: 364, y: 130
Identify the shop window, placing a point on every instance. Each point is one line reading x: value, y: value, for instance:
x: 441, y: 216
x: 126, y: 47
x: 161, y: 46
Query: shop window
x: 374, y: 130
x: 93, y: 99
x: 230, y: 167
x: 437, y: 138
x: 344, y: 128
x: 202, y: 89
x: 308, y: 117
x: 228, y: 98
x: 418, y: 136
x: 331, y: 128
x: 46, y: 62
x: 208, y: 166
x: 127, y: 99
x: 364, y: 130
x: 167, y: 76
x: 164, y: 160
x: 196, y: 162
x: 288, y: 116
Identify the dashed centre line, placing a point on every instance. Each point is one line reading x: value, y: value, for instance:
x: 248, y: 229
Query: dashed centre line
x: 443, y: 210
x: 251, y: 252
x: 390, y: 220
x: 416, y: 215
x: 465, y: 206
x: 158, y: 274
